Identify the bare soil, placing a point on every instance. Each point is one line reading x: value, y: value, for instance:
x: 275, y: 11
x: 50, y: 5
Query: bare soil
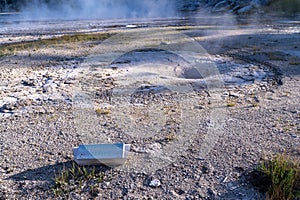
x: 41, y: 119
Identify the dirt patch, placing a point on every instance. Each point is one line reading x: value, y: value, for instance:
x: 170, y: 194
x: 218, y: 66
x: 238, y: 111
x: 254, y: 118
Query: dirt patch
x: 42, y: 119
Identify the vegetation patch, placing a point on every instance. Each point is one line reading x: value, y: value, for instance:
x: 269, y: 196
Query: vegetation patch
x: 77, y: 179
x: 231, y: 104
x: 103, y: 111
x: 9, y: 49
x: 278, y: 178
x: 294, y: 61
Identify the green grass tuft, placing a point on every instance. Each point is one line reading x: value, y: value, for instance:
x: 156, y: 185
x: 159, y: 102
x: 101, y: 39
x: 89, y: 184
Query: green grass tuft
x: 102, y: 111
x: 75, y: 179
x: 284, y: 178
x: 231, y: 104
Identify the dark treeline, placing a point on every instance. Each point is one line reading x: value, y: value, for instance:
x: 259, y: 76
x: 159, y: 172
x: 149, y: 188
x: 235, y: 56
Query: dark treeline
x: 16, y: 5
x: 10, y: 5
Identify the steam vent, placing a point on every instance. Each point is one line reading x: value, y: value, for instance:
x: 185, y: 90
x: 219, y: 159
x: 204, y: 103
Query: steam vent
x: 156, y: 99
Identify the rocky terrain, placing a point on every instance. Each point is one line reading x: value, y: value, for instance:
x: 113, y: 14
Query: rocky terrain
x: 197, y: 130
x: 243, y: 7
x: 225, y: 5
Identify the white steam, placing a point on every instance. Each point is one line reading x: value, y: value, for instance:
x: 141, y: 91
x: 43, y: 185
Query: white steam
x: 100, y: 9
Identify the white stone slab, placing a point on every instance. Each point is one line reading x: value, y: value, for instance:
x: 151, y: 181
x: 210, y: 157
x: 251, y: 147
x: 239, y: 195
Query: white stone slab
x: 111, y: 155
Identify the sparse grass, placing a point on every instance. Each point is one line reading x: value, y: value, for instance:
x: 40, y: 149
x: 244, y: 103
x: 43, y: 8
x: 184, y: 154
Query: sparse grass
x: 256, y: 49
x: 9, y: 49
x: 103, y: 111
x: 254, y: 105
x: 170, y: 137
x: 279, y: 119
x: 294, y: 61
x: 286, y: 128
x: 187, y: 28
x: 75, y: 179
x: 52, y: 118
x: 231, y: 104
x: 276, y: 56
x: 283, y: 175
x: 254, y: 100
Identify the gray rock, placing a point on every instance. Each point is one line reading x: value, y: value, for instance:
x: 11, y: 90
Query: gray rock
x: 155, y: 183
x: 5, y: 115
x: 173, y: 193
x: 70, y: 81
x: 207, y: 168
x: 261, y: 2
x: 245, y: 9
x: 49, y: 86
x: 237, y: 6
x: 294, y: 135
x: 220, y: 6
x: 30, y: 82
x: 233, y: 94
x: 191, y: 5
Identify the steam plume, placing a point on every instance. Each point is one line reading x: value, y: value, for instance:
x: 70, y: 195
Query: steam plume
x: 90, y: 9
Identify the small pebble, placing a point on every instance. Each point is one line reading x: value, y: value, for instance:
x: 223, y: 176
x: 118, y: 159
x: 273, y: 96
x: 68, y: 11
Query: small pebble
x: 294, y: 135
x: 155, y: 183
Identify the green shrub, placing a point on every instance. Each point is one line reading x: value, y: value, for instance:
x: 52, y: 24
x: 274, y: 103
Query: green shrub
x: 284, y: 178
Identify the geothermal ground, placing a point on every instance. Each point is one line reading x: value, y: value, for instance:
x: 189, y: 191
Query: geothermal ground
x: 201, y: 100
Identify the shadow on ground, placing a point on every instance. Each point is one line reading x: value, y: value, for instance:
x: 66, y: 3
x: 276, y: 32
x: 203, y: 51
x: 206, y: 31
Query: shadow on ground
x: 250, y: 185
x: 47, y: 173
x: 33, y: 181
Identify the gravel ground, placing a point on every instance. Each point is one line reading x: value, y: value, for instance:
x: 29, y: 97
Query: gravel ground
x: 181, y: 153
